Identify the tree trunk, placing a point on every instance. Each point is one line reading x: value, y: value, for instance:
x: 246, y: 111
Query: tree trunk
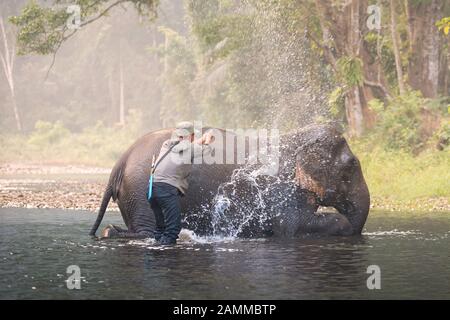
x: 409, y: 26
x: 112, y: 96
x: 16, y: 111
x: 354, y: 109
x: 395, y: 43
x: 342, y: 32
x: 354, y: 112
x: 7, y: 59
x: 444, y: 67
x: 155, y: 119
x: 121, y: 94
x: 423, y: 69
x: 167, y: 117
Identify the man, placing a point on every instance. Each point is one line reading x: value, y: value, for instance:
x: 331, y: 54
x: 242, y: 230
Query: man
x: 173, y: 166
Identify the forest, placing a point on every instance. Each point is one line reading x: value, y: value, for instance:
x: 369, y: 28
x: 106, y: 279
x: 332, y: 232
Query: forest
x: 81, y: 89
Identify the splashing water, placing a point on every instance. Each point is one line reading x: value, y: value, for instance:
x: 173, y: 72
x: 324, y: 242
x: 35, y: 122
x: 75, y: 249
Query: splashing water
x: 239, y: 204
x: 272, y: 77
x: 246, y: 205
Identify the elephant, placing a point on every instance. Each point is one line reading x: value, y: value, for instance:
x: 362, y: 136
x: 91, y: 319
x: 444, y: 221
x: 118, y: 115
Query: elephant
x: 316, y: 169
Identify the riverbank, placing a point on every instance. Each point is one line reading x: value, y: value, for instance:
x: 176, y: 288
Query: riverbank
x: 81, y: 188
x: 53, y: 186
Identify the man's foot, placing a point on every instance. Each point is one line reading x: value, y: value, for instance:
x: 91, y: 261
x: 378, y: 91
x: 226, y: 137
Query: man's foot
x: 158, y: 237
x: 166, y: 241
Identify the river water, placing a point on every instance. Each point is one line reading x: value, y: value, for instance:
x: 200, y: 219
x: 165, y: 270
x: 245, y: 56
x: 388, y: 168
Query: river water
x: 37, y: 246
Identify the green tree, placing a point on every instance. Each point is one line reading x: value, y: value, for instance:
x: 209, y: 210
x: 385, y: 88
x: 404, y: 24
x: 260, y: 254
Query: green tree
x: 42, y: 30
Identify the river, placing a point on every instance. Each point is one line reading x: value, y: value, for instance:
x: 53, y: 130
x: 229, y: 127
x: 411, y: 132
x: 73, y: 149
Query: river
x: 37, y: 245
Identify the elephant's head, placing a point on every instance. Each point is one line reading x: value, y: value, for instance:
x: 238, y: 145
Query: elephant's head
x: 326, y: 167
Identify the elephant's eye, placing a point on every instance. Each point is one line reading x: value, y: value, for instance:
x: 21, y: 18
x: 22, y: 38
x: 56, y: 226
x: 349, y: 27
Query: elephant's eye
x: 338, y: 147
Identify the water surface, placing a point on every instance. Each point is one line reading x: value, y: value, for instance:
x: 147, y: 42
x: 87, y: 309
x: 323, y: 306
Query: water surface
x: 37, y: 245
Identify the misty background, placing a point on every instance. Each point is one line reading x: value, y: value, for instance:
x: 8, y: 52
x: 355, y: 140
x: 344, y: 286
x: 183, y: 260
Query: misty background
x: 126, y: 65
x: 106, y: 66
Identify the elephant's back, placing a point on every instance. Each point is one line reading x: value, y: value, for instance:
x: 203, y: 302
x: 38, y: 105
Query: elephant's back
x: 134, y: 164
x: 142, y: 151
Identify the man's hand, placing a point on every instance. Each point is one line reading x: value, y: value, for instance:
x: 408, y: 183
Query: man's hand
x: 208, y: 138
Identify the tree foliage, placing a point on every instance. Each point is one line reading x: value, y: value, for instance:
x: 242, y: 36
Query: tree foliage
x: 350, y: 71
x: 444, y: 25
x: 42, y: 29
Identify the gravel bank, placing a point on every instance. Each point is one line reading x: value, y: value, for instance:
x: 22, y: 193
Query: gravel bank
x: 47, y: 186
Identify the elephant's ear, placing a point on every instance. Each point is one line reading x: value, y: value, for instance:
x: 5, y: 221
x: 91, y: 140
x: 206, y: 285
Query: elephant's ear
x: 306, y: 182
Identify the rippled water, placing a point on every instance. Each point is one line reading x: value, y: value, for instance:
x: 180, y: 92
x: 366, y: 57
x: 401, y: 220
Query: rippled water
x: 37, y: 246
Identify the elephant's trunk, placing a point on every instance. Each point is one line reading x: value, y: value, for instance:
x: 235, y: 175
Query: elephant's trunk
x: 328, y: 223
x: 356, y: 203
x: 351, y: 197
